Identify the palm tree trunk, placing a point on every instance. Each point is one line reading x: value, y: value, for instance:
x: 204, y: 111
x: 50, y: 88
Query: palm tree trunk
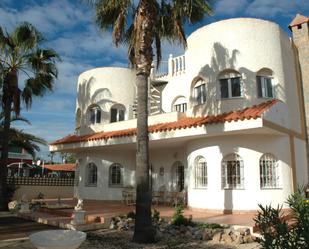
x: 7, y: 105
x: 144, y: 232
x: 144, y: 23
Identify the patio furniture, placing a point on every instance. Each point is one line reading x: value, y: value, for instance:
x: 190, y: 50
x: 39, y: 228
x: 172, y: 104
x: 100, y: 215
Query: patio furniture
x: 159, y: 196
x: 175, y: 198
x: 57, y: 239
x: 129, y: 195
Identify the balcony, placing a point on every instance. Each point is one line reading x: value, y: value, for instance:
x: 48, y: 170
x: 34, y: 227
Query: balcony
x: 174, y: 66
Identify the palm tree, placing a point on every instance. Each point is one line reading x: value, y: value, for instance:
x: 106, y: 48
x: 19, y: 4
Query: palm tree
x: 20, y: 139
x: 142, y: 24
x: 20, y: 55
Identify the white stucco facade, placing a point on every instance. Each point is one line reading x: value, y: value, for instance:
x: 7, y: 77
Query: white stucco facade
x: 240, y: 72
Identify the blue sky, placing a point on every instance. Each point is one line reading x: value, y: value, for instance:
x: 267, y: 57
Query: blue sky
x: 69, y: 29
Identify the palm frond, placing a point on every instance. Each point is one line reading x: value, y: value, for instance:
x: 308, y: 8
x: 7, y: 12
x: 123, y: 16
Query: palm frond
x: 26, y: 36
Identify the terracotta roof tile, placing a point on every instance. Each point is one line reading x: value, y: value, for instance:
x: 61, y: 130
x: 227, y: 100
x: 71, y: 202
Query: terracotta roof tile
x: 253, y: 112
x: 61, y: 167
x: 299, y: 19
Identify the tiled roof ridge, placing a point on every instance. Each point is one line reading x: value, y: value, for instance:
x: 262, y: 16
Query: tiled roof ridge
x: 299, y: 19
x: 252, y: 112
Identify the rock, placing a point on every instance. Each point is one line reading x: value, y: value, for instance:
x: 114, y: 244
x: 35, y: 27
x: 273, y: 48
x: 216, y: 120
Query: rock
x: 207, y: 236
x: 227, y: 231
x: 188, y: 234
x: 244, y: 231
x: 239, y: 240
x: 247, y: 239
x: 226, y: 238
x: 14, y: 206
x: 120, y: 225
x: 217, y: 236
x: 234, y: 236
x: 182, y: 229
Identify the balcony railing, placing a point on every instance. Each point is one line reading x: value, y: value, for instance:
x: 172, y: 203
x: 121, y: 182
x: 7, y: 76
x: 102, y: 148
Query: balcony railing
x: 173, y: 67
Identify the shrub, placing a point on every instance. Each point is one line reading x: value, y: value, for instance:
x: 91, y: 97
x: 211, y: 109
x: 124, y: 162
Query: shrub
x: 155, y: 216
x: 277, y: 232
x: 131, y: 215
x: 210, y: 225
x: 179, y: 219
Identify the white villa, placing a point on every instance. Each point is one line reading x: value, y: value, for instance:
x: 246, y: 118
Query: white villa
x: 227, y: 121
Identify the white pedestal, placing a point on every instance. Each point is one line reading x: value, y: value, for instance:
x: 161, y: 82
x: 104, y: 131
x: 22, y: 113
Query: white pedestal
x: 78, y: 217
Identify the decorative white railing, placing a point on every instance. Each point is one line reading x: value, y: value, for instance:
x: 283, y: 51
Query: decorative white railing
x: 173, y: 67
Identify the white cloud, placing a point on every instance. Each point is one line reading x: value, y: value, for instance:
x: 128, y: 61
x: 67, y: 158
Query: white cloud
x: 48, y: 17
x: 271, y: 8
x: 230, y: 7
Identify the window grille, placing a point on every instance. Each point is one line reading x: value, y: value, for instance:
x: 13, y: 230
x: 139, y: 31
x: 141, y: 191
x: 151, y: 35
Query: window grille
x: 95, y: 115
x: 115, y: 175
x: 269, y: 175
x: 180, y: 107
x: 200, y: 172
x: 178, y: 176
x: 230, y: 87
x: 232, y: 172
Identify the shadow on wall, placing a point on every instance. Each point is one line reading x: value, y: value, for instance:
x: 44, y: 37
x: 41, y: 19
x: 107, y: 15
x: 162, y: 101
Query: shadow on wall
x: 101, y: 97
x: 224, y: 61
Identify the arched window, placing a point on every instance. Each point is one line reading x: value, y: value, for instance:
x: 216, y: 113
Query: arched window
x: 78, y: 118
x: 91, y: 175
x: 230, y: 84
x: 200, y: 172
x: 199, y: 92
x: 178, y: 173
x: 116, y: 175
x: 180, y: 104
x: 269, y: 171
x: 232, y: 172
x: 117, y: 113
x: 95, y: 114
x: 264, y: 80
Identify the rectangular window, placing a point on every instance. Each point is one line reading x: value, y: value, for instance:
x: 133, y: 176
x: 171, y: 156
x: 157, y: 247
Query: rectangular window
x: 180, y: 107
x: 232, y: 174
x: 265, y: 87
x: 200, y: 94
x: 121, y: 115
x: 201, y: 175
x: 113, y: 115
x: 236, y: 87
x: 224, y: 87
x: 92, y: 116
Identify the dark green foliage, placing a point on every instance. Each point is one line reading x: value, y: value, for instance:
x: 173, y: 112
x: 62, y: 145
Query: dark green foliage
x: 210, y: 225
x: 131, y: 215
x: 179, y: 219
x: 278, y: 232
x: 155, y: 216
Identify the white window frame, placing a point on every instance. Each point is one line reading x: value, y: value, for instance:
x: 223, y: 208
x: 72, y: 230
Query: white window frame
x: 269, y: 172
x: 263, y: 84
x: 229, y: 76
x: 180, y: 104
x: 201, y: 174
x: 119, y: 175
x: 118, y: 108
x: 203, y: 99
x: 231, y: 178
x: 96, y: 112
x: 91, y: 175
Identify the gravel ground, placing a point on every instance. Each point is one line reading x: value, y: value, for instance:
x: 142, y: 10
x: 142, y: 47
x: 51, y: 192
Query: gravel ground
x: 113, y: 239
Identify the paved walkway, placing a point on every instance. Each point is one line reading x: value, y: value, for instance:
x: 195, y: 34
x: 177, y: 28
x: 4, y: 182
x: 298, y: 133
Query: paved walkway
x: 113, y: 208
x: 16, y: 228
